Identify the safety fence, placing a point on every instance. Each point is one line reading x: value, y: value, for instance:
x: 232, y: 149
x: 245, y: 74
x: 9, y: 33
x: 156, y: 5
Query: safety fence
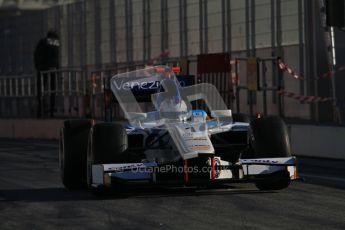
x: 30, y: 95
x: 338, y: 105
x: 86, y: 93
x: 17, y: 96
x: 285, y: 68
x: 103, y: 105
x: 222, y: 81
x: 257, y: 84
x: 62, y: 93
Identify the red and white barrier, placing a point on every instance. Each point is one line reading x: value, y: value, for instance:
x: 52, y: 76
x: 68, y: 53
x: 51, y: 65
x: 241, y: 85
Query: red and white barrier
x: 285, y: 68
x: 303, y: 98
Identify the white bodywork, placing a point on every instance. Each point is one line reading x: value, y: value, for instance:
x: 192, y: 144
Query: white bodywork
x: 146, y: 171
x: 173, y: 109
x: 189, y: 130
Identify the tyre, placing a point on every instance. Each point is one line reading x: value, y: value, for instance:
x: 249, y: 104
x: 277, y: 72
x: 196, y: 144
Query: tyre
x: 276, y: 181
x: 270, y: 137
x: 73, y: 152
x: 107, y: 144
x: 271, y: 140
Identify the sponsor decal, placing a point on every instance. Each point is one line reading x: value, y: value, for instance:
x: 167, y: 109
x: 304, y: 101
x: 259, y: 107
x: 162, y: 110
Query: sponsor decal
x: 261, y: 161
x: 217, y: 167
x: 141, y: 85
x: 126, y: 167
x: 137, y: 85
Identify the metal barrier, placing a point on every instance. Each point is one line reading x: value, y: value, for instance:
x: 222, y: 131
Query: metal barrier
x: 262, y: 84
x: 72, y: 93
x: 17, y: 96
x: 62, y: 92
x: 64, y: 89
x: 222, y: 81
x: 102, y: 100
x: 16, y: 86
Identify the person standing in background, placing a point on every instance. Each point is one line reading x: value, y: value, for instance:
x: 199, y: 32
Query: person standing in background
x: 46, y: 57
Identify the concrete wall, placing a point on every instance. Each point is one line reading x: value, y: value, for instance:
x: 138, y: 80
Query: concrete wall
x: 29, y: 128
x: 318, y: 141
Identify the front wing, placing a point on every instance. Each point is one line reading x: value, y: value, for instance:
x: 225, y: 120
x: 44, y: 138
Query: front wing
x: 218, y: 171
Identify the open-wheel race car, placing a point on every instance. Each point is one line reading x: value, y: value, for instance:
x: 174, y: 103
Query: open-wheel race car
x: 168, y: 142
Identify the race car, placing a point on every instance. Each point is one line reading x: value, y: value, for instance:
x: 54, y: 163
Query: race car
x: 186, y: 136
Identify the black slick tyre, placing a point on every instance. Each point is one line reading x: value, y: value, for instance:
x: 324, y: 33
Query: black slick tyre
x: 271, y: 140
x: 107, y: 144
x: 72, y: 153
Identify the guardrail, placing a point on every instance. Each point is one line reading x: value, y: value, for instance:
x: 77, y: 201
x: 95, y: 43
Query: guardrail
x: 64, y: 88
x: 257, y: 83
x: 101, y: 98
x: 82, y: 93
x: 63, y: 91
x: 17, y: 96
x: 67, y: 93
x: 23, y: 85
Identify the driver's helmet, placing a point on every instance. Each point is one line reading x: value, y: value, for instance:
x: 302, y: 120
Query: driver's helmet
x: 172, y: 105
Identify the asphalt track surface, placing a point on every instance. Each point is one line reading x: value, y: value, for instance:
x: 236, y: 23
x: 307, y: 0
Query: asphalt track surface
x: 32, y: 197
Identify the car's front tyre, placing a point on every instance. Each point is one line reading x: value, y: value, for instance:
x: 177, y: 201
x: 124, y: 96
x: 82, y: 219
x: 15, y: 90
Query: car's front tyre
x: 107, y: 145
x: 72, y: 153
x: 271, y: 140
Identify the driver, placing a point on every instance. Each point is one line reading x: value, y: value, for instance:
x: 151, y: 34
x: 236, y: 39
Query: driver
x: 172, y: 104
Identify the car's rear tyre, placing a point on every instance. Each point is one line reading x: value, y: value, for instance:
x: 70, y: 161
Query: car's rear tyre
x: 107, y: 144
x: 72, y: 153
x: 271, y: 140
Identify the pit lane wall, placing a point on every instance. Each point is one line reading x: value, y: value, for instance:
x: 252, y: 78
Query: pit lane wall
x: 318, y: 141
x: 30, y: 128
